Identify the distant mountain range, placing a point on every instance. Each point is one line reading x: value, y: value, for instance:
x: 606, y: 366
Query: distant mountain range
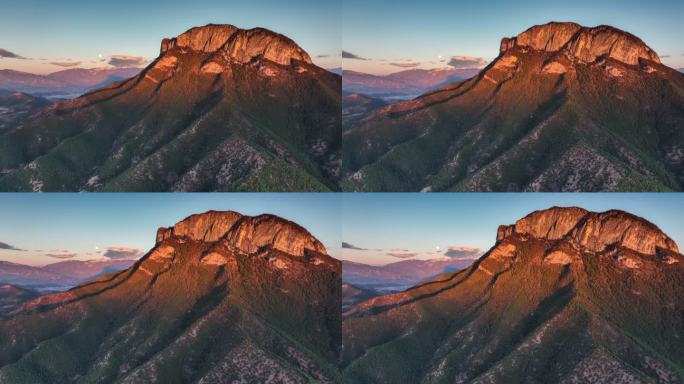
x: 220, y: 109
x: 563, y: 108
x: 565, y: 296
x: 58, y: 276
x: 66, y: 84
x: 402, y: 85
x: 220, y: 298
x: 398, y: 276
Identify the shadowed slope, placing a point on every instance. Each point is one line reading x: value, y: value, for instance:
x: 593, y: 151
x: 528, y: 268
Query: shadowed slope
x: 220, y: 109
x: 563, y: 108
x: 564, y: 296
x: 221, y: 297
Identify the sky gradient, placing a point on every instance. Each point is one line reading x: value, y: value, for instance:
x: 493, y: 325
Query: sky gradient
x: 81, y: 30
x: 406, y: 31
x: 423, y: 226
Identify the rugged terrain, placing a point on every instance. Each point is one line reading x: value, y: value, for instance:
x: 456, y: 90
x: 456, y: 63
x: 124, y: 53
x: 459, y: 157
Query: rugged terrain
x: 12, y: 296
x: 16, y: 106
x: 565, y: 296
x: 563, y: 108
x: 221, y: 109
x: 220, y: 298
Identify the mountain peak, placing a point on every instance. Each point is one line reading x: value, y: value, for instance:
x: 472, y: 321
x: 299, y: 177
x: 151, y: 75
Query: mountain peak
x: 583, y: 43
x: 246, y: 233
x: 591, y: 230
x: 241, y: 45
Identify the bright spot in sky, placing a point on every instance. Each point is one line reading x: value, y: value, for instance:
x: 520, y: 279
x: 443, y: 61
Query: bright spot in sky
x: 99, y: 55
x: 97, y: 248
x: 440, y: 56
x: 437, y: 248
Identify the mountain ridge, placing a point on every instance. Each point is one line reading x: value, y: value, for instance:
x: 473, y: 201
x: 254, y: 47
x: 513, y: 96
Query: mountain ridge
x: 194, y: 308
x: 547, y: 303
x: 532, y: 120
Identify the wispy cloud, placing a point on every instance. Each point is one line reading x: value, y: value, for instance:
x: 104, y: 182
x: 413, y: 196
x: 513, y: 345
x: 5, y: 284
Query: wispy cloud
x: 122, y: 253
x: 322, y: 56
x: 462, y: 252
x: 122, y: 61
x: 60, y: 254
x: 10, y: 55
x: 66, y: 64
x: 405, y: 65
x: 665, y: 56
x: 467, y: 62
x: 9, y: 247
x: 346, y: 245
x: 349, y: 55
x: 402, y: 254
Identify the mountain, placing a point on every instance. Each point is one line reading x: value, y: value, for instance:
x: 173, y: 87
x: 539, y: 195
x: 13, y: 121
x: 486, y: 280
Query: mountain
x: 16, y: 106
x: 402, y: 85
x: 562, y: 108
x: 220, y: 298
x: 352, y: 295
x: 399, y: 275
x: 65, y: 84
x: 12, y: 296
x: 58, y: 276
x: 221, y: 109
x: 356, y: 106
x: 565, y: 296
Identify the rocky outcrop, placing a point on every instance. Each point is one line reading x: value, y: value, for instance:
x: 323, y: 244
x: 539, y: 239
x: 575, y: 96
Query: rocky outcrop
x: 582, y: 43
x: 592, y: 231
x: 245, y: 233
x: 239, y: 45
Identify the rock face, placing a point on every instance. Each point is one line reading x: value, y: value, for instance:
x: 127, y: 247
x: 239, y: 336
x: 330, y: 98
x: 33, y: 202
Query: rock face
x: 221, y: 297
x: 593, y: 231
x: 562, y: 108
x: 583, y: 44
x: 238, y: 44
x: 560, y: 288
x: 220, y: 109
x: 247, y: 234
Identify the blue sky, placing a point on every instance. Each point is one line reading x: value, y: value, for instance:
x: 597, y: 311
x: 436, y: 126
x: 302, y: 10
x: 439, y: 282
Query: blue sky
x: 422, y: 31
x: 81, y: 30
x: 380, y: 223
x: 78, y: 223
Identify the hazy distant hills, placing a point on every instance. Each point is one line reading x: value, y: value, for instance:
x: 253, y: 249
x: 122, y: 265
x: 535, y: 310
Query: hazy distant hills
x: 399, y: 275
x: 563, y: 108
x: 57, y: 276
x: 220, y: 298
x: 402, y: 85
x: 221, y: 109
x: 565, y: 296
x: 65, y: 84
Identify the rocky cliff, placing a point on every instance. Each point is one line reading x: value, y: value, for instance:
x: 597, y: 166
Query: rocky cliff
x: 238, y: 44
x: 583, y: 43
